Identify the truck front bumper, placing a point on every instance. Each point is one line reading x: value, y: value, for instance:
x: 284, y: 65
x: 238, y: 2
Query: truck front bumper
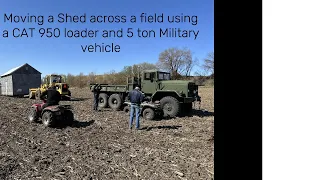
x: 188, y: 100
x: 191, y: 99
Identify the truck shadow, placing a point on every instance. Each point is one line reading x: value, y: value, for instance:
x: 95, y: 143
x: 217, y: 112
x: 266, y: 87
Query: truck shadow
x: 76, y: 99
x: 149, y: 128
x: 199, y: 113
x: 193, y: 113
x: 82, y: 124
x: 75, y: 124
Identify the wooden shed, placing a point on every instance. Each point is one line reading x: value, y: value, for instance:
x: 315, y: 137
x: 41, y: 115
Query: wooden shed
x: 17, y: 81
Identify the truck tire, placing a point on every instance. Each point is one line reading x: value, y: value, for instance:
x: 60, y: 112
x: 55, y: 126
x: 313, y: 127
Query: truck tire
x: 170, y: 106
x: 148, y: 114
x: 115, y: 101
x: 103, y: 100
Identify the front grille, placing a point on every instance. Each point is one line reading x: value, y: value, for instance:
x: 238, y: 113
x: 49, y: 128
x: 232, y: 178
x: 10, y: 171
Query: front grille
x: 191, y: 89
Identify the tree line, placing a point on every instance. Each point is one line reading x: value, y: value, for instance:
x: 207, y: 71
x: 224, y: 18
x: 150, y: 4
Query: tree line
x: 178, y: 61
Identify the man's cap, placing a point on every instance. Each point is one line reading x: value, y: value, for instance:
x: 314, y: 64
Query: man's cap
x: 137, y: 88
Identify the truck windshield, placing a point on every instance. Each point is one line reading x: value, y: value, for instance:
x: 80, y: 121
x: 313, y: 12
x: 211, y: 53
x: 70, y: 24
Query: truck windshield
x: 164, y: 76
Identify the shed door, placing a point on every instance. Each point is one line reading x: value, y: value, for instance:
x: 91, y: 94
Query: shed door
x: 7, y: 88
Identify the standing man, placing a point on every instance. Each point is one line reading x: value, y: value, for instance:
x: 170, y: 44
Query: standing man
x: 96, y: 90
x: 136, y: 98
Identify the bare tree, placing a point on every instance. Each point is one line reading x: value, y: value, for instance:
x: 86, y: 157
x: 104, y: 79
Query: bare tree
x: 134, y: 69
x: 71, y: 79
x: 174, y: 61
x: 189, y: 65
x: 201, y: 77
x: 81, y: 80
x: 91, y: 77
x: 209, y: 63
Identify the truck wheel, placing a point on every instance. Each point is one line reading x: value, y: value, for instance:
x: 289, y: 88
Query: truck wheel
x: 148, y: 113
x: 103, y: 100
x: 48, y: 119
x: 170, y: 106
x: 126, y: 110
x: 115, y: 101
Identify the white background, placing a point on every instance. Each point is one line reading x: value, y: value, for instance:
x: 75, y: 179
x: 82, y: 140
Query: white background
x: 291, y: 89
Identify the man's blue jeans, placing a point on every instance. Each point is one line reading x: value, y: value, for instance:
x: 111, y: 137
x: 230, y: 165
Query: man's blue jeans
x: 134, y: 109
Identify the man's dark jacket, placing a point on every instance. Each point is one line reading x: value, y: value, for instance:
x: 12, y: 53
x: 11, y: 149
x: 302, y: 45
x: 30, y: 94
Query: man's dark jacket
x: 53, y: 96
x: 96, y: 90
x: 136, y: 97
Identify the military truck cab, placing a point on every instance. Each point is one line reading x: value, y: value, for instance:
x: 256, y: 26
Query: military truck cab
x: 151, y: 81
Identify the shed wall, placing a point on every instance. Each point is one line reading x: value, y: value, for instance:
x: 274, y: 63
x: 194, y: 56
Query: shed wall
x: 23, y: 82
x: 6, y: 86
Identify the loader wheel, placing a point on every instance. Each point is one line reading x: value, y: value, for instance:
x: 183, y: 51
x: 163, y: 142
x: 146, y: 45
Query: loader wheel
x: 38, y: 94
x: 48, y: 119
x: 103, y: 100
x: 148, y: 113
x: 115, y: 101
x: 170, y: 106
x: 31, y: 96
x: 32, y: 115
x: 126, y: 110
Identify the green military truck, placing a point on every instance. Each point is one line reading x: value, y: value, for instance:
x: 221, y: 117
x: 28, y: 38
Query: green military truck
x: 175, y: 96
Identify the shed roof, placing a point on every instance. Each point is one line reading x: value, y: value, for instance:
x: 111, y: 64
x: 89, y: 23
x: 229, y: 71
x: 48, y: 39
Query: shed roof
x: 15, y: 69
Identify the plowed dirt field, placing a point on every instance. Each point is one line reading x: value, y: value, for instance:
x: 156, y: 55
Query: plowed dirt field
x: 99, y: 145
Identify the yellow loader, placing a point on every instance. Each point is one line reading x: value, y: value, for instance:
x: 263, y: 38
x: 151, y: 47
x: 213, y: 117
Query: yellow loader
x: 61, y: 85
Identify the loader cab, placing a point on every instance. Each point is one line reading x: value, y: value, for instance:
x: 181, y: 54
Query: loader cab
x: 55, y: 78
x: 49, y: 79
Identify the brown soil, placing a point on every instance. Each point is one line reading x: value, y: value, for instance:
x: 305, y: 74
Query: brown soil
x: 100, y: 146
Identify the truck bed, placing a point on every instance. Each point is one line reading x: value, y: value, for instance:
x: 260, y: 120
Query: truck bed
x: 111, y: 88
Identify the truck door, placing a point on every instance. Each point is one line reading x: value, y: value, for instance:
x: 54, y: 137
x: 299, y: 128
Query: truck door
x: 148, y: 85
